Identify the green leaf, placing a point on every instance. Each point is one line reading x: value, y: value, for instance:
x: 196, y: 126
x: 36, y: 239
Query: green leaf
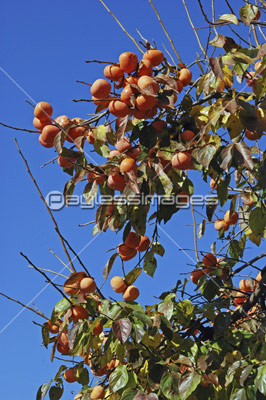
x: 221, y: 323
x: 239, y: 394
x: 210, y: 288
x: 62, y: 305
x: 169, y: 386
x: 128, y: 394
x: 205, y: 155
x: 68, y: 191
x: 101, y: 148
x: 248, y: 13
x: 138, y: 333
x: 45, y: 335
x: 257, y: 221
x: 84, y: 377
x: 132, y: 275
x: 150, y: 263
x: 158, y: 249
x: 222, y: 190
x: 56, y: 392
x: 90, y: 191
x: 260, y: 380
x: 119, y: 378
x: 188, y: 384
x: 211, y: 207
x: 143, y: 317
x: 166, y: 308
x: 43, y: 389
x: 109, y: 265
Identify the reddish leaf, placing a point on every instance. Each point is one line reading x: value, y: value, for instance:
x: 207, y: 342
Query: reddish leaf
x: 122, y: 329
x: 226, y: 156
x: 242, y: 155
x: 217, y: 66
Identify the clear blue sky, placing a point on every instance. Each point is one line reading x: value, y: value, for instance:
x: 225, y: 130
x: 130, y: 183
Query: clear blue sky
x: 43, y: 48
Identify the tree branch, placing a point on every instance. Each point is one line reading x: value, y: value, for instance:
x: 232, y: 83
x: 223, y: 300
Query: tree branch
x: 24, y: 305
x: 46, y: 205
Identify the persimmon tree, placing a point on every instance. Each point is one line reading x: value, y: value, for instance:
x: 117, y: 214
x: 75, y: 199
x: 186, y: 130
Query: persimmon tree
x: 154, y: 123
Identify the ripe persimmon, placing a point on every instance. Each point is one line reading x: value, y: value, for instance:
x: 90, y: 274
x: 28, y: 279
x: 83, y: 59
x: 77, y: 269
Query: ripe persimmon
x: 159, y: 125
x: 209, y: 260
x: 71, y: 285
x: 43, y: 111
x: 144, y: 243
x: 239, y: 298
x: 156, y: 57
x: 187, y: 136
x: 96, y: 176
x: 90, y: 137
x: 113, y: 72
x: 221, y: 224
x: 131, y: 293
x: 53, y: 328
x: 70, y: 375
x: 182, y: 160
x: 132, y: 240
x: 76, y: 131
x: 126, y: 253
x: 116, y: 182
x: 196, y: 275
x: 245, y: 285
x: 127, y: 165
x: 123, y: 144
x: 144, y: 102
x: 252, y: 135
x: 101, y: 88
x: 98, y: 328
x: 130, y: 80
x: 179, y: 86
x: 40, y: 124
x: 97, y: 392
x: 62, y: 349
x: 182, y: 198
x: 118, y: 108
x: 145, y: 67
x: 232, y: 218
x: 118, y: 284
x: 65, y: 162
x: 127, y: 95
x: 62, y: 120
x: 79, y: 312
x: 128, y: 61
x: 49, y: 133
x: 185, y: 76
x: 148, y: 84
x: 87, y: 285
x: 62, y: 338
x: 48, y: 145
x: 104, y: 103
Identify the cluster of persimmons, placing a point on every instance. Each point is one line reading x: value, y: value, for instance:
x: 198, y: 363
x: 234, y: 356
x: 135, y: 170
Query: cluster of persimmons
x: 141, y: 90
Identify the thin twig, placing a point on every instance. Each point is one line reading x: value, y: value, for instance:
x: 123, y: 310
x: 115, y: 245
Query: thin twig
x: 47, y: 207
x: 49, y: 270
x: 230, y: 8
x: 87, y: 223
x: 49, y: 162
x: 170, y: 55
x: 249, y: 263
x: 96, y: 61
x: 261, y: 32
x: 24, y: 305
x: 255, y: 35
x: 47, y: 277
x: 213, y: 17
x: 194, y: 29
x: 83, y: 266
x: 59, y: 259
x: 195, y: 233
x: 165, y: 31
x: 121, y: 26
x: 18, y: 129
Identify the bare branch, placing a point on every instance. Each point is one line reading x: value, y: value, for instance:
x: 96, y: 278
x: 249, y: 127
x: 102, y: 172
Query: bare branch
x: 59, y: 259
x: 121, y: 26
x: 18, y: 129
x: 194, y: 29
x: 46, y: 205
x: 24, y: 305
x: 165, y: 31
x: 49, y: 270
x: 47, y: 277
